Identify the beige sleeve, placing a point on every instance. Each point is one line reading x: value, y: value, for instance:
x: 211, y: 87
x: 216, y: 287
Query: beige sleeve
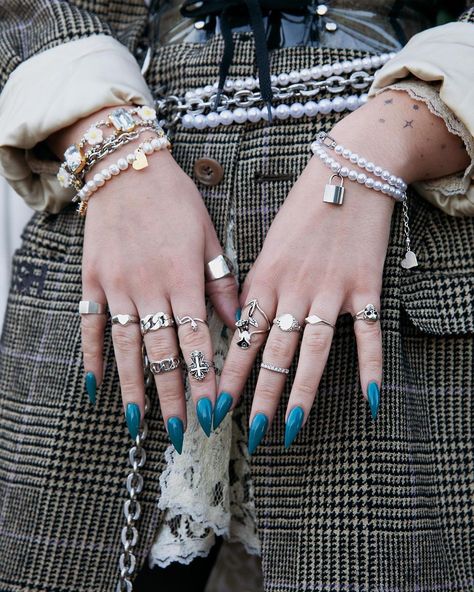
x: 52, y: 90
x: 437, y: 67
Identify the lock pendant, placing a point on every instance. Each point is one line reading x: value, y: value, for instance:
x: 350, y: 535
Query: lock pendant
x: 334, y: 194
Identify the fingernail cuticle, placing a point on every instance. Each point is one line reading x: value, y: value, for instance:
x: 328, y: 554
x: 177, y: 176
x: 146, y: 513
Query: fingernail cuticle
x: 204, y: 414
x: 293, y: 425
x: 257, y: 431
x: 91, y: 386
x: 373, y: 395
x: 132, y: 417
x: 223, y: 404
x: 176, y: 433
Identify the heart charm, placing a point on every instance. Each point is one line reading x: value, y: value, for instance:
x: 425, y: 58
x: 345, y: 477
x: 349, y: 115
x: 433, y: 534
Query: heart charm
x: 409, y: 260
x: 141, y: 161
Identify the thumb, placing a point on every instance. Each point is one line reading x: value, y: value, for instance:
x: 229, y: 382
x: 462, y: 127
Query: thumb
x: 223, y: 294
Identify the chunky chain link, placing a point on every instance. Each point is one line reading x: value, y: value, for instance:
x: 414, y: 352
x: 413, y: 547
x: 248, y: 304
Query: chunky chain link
x: 172, y: 108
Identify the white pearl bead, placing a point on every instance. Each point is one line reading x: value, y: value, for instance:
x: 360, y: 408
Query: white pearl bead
x: 352, y: 175
x: 99, y: 180
x: 283, y: 79
x: 378, y: 171
x: 377, y: 185
x: 106, y: 174
x: 346, y: 153
x: 361, y: 161
x: 316, y: 72
x: 385, y: 187
x: 335, y: 166
x: 305, y: 74
x: 297, y: 110
x: 264, y: 113
x: 398, y: 194
x: 385, y: 175
x: 208, y: 90
x: 338, y: 104
x: 229, y: 85
x: 403, y: 185
x: 347, y: 66
x: 344, y: 172
x: 239, y: 84
x: 352, y: 102
x: 147, y: 148
x: 213, y: 119
x: 325, y: 106
x: 114, y: 170
x: 226, y: 117
x: 354, y: 157
x: 200, y: 121
x: 338, y: 149
x: 188, y: 121
x: 337, y: 68
x: 364, y: 97
x: 122, y: 164
x: 327, y: 70
x: 189, y: 94
x: 392, y: 54
x: 314, y: 147
x: 199, y: 92
x: 369, y: 182
x: 240, y: 115
x: 357, y: 64
x: 370, y: 166
x: 254, y: 114
x: 366, y: 63
x: 274, y: 79
x: 91, y: 186
x: 361, y: 178
x: 250, y: 83
x: 392, y: 180
x: 130, y: 157
x: 376, y: 61
x: 384, y: 57
x: 282, y: 111
x: 310, y: 108
x: 294, y: 76
x: 156, y: 144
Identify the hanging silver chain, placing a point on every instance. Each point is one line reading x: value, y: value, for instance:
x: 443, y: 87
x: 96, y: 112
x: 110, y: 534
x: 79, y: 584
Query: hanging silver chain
x: 406, y: 224
x: 172, y: 108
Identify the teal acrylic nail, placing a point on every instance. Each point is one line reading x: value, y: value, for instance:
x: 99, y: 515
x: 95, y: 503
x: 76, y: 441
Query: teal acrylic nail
x: 223, y: 404
x: 91, y: 386
x: 238, y: 314
x: 204, y: 414
x: 257, y: 431
x: 132, y: 416
x: 373, y: 395
x: 176, y: 433
x: 293, y: 425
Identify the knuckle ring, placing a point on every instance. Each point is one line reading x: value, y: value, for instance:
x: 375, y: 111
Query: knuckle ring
x: 369, y: 314
x: 315, y: 320
x: 165, y: 365
x: 124, y: 319
x: 193, y: 320
x: 91, y: 307
x: 274, y: 368
x: 287, y: 322
x: 155, y: 321
x: 243, y: 325
x: 218, y: 268
x: 199, y: 366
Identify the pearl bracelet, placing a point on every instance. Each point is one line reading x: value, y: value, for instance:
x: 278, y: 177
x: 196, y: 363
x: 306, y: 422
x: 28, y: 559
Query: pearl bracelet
x: 138, y: 160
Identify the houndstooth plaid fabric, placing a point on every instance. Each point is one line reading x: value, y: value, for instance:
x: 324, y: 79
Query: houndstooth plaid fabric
x: 353, y: 505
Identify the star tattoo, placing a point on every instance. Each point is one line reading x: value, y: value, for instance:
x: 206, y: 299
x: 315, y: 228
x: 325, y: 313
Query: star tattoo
x: 416, y: 107
x: 408, y: 123
x: 388, y: 101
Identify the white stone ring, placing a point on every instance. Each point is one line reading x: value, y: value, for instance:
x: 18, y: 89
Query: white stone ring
x: 287, y: 322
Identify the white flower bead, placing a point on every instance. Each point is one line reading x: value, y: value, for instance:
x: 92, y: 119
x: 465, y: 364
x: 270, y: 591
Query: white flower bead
x: 305, y: 74
x: 346, y: 153
x: 385, y: 175
x: 114, y: 170
x: 282, y: 111
x: 130, y: 157
x: 325, y: 106
x: 226, y: 117
x: 122, y: 164
x: 352, y: 102
x: 200, y: 121
x: 369, y: 182
x: 239, y: 84
x: 338, y: 149
x: 63, y: 177
x: 188, y: 121
x: 378, y: 171
x: 377, y: 185
x: 91, y: 186
x: 213, y: 119
x: 337, y: 68
x: 352, y: 175
x: 147, y: 148
x: 354, y: 157
x: 294, y: 76
x: 106, y: 174
x: 310, y: 108
x: 344, y: 172
x: 361, y: 178
x: 94, y: 136
x: 297, y: 110
x: 240, y: 115
x: 146, y: 113
x: 253, y: 114
x: 361, y: 161
x: 335, y: 166
x: 98, y: 180
x: 370, y: 166
x: 316, y: 72
x: 156, y: 144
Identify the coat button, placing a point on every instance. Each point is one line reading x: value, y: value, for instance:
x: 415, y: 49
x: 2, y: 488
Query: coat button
x: 208, y: 171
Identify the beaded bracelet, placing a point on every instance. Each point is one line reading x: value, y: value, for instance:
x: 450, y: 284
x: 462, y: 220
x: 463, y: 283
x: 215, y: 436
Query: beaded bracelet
x: 138, y: 160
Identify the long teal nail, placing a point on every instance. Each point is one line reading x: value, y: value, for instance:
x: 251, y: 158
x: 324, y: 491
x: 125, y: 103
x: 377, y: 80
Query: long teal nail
x: 257, y: 431
x: 204, y: 414
x: 238, y: 314
x: 223, y: 404
x: 176, y: 433
x: 132, y: 416
x: 373, y: 395
x: 91, y: 386
x: 293, y: 425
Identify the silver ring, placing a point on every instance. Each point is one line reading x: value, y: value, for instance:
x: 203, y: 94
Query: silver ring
x: 199, y: 366
x: 193, y: 320
x: 165, y: 365
x: 287, y: 322
x: 90, y: 307
x: 218, y: 268
x: 369, y: 314
x: 125, y: 319
x: 155, y: 321
x: 315, y: 320
x: 243, y: 325
x: 274, y: 368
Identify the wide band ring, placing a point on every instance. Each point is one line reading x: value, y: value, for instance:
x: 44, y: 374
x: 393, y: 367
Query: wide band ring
x: 192, y: 320
x: 218, y: 268
x: 91, y: 307
x: 315, y: 320
x: 165, y: 365
x: 369, y: 314
x: 287, y: 322
x: 155, y: 321
x: 125, y: 319
x: 199, y: 366
x: 274, y: 368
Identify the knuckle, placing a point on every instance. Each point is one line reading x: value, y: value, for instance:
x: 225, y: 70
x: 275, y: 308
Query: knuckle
x: 92, y: 325
x: 190, y: 339
x: 170, y: 394
x: 89, y: 275
x: 158, y: 348
x: 373, y: 362
x: 233, y: 372
x: 124, y: 339
x: 318, y: 341
x: 265, y: 394
x: 305, y: 389
x: 131, y: 389
x: 279, y: 348
x: 91, y: 355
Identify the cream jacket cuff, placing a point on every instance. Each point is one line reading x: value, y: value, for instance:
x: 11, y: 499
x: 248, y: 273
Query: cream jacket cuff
x: 443, y: 58
x: 52, y: 90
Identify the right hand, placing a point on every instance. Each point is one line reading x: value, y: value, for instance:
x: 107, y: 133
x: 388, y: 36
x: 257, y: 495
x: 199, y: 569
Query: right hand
x: 147, y: 238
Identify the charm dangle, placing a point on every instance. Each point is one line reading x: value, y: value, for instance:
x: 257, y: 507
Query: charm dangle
x: 141, y: 161
x: 243, y: 325
x: 334, y: 194
x: 410, y: 259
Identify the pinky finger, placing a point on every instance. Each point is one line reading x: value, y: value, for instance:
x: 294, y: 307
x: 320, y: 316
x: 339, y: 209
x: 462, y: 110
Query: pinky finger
x: 92, y: 331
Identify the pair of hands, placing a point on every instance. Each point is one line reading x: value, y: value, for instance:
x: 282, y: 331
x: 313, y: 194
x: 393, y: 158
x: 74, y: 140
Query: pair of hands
x: 148, y: 237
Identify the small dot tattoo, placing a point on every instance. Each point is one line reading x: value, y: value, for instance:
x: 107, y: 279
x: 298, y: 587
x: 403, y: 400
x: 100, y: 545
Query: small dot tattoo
x: 388, y: 101
x: 416, y: 107
x: 382, y: 120
x: 443, y: 146
x: 408, y: 123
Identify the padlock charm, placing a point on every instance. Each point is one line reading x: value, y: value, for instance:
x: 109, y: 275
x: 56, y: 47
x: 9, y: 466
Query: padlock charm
x: 334, y: 194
